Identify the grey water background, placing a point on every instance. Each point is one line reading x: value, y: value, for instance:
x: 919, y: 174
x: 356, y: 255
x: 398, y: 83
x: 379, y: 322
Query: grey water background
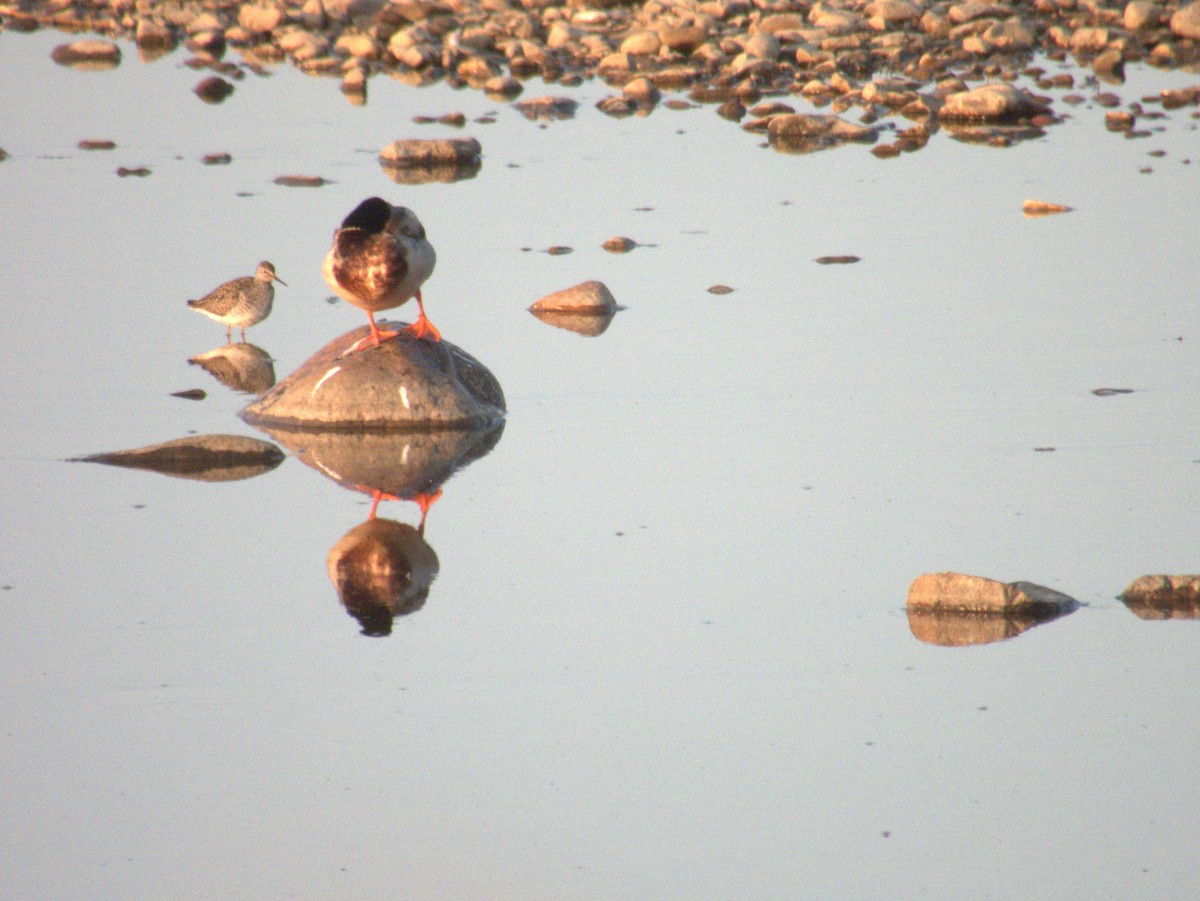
x: 666, y: 654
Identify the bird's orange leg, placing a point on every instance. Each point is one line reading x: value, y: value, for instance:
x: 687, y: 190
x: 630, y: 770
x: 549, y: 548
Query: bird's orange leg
x: 376, y: 497
x: 375, y: 337
x: 422, y: 328
x: 425, y: 501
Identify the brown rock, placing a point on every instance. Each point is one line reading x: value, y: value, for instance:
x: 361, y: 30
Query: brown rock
x: 991, y: 103
x: 1186, y: 22
x: 1164, y: 597
x: 586, y: 297
x: 405, y: 383
x: 957, y: 591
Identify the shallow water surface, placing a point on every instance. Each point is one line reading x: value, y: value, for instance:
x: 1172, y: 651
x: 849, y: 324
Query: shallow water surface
x: 665, y: 652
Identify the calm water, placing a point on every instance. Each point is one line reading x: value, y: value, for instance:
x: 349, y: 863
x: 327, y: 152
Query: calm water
x: 665, y: 654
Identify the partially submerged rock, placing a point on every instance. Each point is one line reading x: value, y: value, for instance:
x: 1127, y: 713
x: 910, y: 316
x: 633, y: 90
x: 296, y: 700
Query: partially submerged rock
x: 1035, y: 208
x: 1164, y: 597
x: 800, y: 133
x: 91, y: 54
x: 953, y: 591
x: 590, y: 297
x: 420, y: 161
x: 405, y: 383
x: 992, y: 103
x: 204, y: 458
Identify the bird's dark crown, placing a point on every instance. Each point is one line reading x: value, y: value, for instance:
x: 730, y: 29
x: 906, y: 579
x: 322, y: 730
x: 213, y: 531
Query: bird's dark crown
x: 371, y: 215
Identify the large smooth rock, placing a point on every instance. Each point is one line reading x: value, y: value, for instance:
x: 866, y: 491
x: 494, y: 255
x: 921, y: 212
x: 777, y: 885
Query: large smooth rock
x: 960, y: 592
x: 92, y: 54
x: 1164, y: 597
x: 991, y: 103
x: 405, y: 383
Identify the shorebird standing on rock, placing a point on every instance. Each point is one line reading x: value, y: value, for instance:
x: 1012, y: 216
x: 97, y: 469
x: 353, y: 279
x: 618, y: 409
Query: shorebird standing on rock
x: 379, y: 259
x: 241, y: 302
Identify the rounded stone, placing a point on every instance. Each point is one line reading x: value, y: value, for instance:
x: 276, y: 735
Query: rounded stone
x: 1185, y: 23
x: 586, y: 297
x: 404, y: 383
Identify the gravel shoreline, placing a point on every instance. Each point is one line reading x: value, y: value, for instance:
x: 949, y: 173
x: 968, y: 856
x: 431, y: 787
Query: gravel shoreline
x: 905, y: 66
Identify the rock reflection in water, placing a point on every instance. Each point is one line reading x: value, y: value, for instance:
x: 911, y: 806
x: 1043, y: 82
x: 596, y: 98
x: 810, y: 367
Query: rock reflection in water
x: 399, y: 465
x: 203, y: 458
x: 956, y: 629
x: 590, y: 325
x: 242, y: 367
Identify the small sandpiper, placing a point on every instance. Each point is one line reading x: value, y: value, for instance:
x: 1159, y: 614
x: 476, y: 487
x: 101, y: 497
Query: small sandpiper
x: 242, y: 302
x: 379, y: 259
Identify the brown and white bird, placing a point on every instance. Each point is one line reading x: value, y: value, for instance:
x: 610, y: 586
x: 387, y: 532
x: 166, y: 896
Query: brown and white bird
x: 242, y: 302
x: 379, y: 259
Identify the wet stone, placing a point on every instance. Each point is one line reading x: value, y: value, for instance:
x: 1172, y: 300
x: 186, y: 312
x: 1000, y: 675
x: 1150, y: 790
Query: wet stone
x: 405, y: 383
x: 620, y: 245
x: 213, y: 89
x: 84, y: 54
x: 959, y: 591
x: 586, y: 297
x: 991, y: 103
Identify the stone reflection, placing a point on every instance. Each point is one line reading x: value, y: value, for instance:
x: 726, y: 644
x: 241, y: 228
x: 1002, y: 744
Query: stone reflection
x: 246, y: 368
x: 202, y: 458
x: 959, y: 628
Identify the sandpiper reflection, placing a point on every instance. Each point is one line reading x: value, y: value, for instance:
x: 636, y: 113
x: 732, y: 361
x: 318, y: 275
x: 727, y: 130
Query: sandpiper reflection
x: 242, y: 367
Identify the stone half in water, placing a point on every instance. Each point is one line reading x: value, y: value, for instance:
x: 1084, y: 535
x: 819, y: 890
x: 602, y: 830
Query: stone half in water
x: 404, y: 383
x: 203, y: 458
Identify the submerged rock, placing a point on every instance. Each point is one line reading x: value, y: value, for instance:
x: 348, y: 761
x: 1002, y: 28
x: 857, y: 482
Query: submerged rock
x: 92, y: 54
x: 204, y: 458
x: 420, y: 161
x: 1164, y: 597
x: 961, y: 592
x: 799, y: 133
x: 992, y: 103
x: 405, y: 383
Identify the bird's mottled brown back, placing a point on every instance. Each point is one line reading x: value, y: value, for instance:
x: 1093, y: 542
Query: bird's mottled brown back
x: 367, y: 265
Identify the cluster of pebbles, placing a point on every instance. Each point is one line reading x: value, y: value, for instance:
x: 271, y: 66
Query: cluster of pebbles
x: 890, y: 62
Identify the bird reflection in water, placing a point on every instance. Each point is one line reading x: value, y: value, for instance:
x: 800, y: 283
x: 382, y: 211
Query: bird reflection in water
x: 383, y: 569
x: 241, y: 367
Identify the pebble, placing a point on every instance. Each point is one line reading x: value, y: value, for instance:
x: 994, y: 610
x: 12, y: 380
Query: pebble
x: 213, y: 89
x: 620, y: 245
x: 721, y: 49
x: 720, y: 289
x: 87, y: 54
x: 1034, y: 208
x: 97, y: 145
x: 300, y: 181
x: 838, y: 260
